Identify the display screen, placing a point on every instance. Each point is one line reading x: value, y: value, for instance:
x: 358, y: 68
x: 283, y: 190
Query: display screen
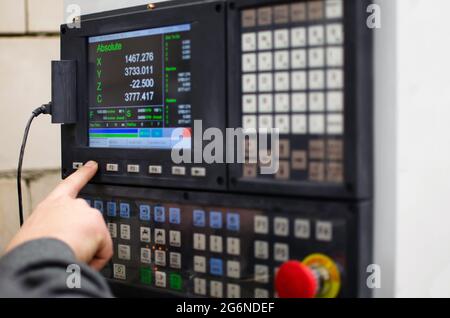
x: 140, y: 89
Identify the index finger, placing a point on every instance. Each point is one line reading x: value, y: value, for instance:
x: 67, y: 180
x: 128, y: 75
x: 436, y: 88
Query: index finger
x: 73, y: 184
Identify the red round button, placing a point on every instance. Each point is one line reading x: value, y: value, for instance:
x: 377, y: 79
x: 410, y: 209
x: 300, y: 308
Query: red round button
x: 295, y: 280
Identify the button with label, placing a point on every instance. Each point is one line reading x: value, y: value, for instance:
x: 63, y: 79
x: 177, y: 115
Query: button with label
x: 233, y: 246
x: 155, y: 169
x: 249, y: 62
x: 145, y: 234
x: 265, y: 40
x: 199, y: 242
x: 298, y: 37
x: 233, y: 291
x: 174, y: 215
x: 249, y: 123
x: 281, y: 252
x: 261, y: 274
x: 112, y: 167
x: 299, y: 103
x: 316, y: 57
x: 261, y: 293
x: 178, y: 171
x: 265, y: 122
x: 335, y: 56
x: 216, y: 244
x: 215, y: 220
x: 261, y: 224
x: 316, y: 35
x: 317, y: 124
x: 125, y: 231
x: 335, y: 34
x: 160, y: 236
x: 281, y: 81
x: 98, y: 205
x: 160, y: 279
x: 249, y: 83
x: 175, y: 238
x: 302, y: 229
x: 119, y: 271
x: 317, y: 102
x: 200, y: 286
x: 265, y: 61
x: 281, y: 226
x: 216, y: 266
x: 248, y: 42
x: 335, y: 101
x: 249, y: 103
x: 324, y: 231
x: 282, y: 60
x: 146, y: 255
x: 199, y: 264
x: 265, y: 82
x: 335, y: 124
x: 175, y: 260
x: 160, y: 258
x: 261, y: 250
x: 124, y: 252
x: 112, y: 227
x: 281, y: 39
x: 316, y: 80
x: 248, y: 18
x: 125, y: 210
x: 298, y: 59
x: 299, y: 126
x: 133, y: 168
x: 298, y: 79
x: 111, y: 209
x: 216, y: 289
x: 199, y: 218
x: 282, y: 123
x: 282, y: 103
x: 334, y: 9
x: 234, y: 269
x: 160, y: 214
x: 265, y: 103
x: 335, y: 79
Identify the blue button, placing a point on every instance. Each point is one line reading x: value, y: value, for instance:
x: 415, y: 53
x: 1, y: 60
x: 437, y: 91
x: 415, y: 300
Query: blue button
x: 125, y: 210
x: 111, y: 209
x: 98, y: 205
x: 216, y: 266
x: 144, y: 212
x: 160, y: 215
x: 199, y: 218
x: 215, y: 220
x: 174, y: 215
x: 233, y: 222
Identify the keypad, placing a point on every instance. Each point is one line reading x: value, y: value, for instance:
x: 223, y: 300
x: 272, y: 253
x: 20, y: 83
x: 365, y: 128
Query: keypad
x: 212, y: 251
x: 293, y: 60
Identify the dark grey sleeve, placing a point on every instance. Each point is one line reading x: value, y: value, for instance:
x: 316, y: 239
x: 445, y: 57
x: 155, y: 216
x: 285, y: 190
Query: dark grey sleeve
x: 39, y: 269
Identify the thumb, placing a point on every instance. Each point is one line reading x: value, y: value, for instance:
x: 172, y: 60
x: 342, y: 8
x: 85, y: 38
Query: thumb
x: 73, y: 184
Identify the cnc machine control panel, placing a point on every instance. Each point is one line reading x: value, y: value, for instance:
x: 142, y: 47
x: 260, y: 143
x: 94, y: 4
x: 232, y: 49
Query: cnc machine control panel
x: 147, y: 75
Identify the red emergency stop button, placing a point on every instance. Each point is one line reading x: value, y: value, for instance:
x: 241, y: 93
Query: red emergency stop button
x: 296, y: 280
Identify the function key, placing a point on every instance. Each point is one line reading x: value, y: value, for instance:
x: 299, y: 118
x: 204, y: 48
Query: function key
x: 281, y: 226
x: 233, y: 246
x: 175, y: 238
x: 249, y: 42
x: 146, y: 255
x: 233, y: 291
x: 199, y: 241
x: 302, y: 229
x: 334, y: 9
x: 160, y: 214
x: 199, y: 218
x: 124, y: 252
x: 281, y: 252
x: 174, y: 215
x: 261, y: 293
x: 298, y: 12
x: 216, y: 244
x: 261, y: 274
x: 144, y: 212
x: 199, y: 264
x: 261, y: 224
x: 155, y: 169
x: 133, y: 168
x: 77, y: 165
x: 125, y: 210
x: 324, y: 231
x: 112, y: 167
x: 200, y: 286
x: 216, y: 289
x: 198, y: 172
x: 160, y: 258
x: 315, y: 10
x: 112, y: 227
x: 175, y: 260
x: 178, y: 171
x: 111, y: 209
x: 265, y: 40
x: 215, y: 220
x: 261, y: 250
x: 281, y: 14
x: 234, y: 269
x: 145, y: 234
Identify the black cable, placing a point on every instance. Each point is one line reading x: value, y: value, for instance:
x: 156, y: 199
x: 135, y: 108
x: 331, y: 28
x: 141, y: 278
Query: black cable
x: 44, y: 109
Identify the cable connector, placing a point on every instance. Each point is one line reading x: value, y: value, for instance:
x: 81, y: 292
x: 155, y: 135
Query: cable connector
x: 44, y: 109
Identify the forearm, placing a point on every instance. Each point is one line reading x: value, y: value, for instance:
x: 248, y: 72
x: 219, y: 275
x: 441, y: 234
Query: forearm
x: 38, y: 269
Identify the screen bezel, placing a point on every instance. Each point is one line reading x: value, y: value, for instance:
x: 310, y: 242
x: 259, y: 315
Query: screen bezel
x: 208, y: 23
